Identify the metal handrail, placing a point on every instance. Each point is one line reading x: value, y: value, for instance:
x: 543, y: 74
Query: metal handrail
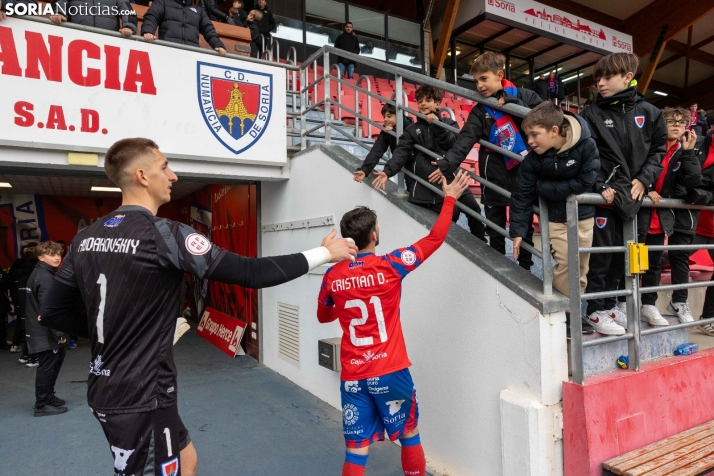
x: 633, y: 290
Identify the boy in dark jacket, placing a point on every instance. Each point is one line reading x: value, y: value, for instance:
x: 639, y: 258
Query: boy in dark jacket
x: 47, y: 343
x: 631, y: 136
x: 492, y: 125
x: 252, y: 22
x: 437, y: 140
x: 238, y: 14
x: 180, y: 21
x: 563, y: 161
x: 384, y: 141
x: 681, y: 171
x: 349, y: 42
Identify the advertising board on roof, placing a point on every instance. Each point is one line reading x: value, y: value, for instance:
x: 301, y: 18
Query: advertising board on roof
x: 559, y: 24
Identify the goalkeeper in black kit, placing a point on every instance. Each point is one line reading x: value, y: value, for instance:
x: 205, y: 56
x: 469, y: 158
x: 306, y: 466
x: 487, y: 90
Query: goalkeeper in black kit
x: 127, y: 270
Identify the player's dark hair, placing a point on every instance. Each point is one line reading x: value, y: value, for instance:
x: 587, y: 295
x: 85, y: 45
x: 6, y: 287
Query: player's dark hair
x: 49, y: 248
x: 546, y: 115
x: 122, y: 153
x: 359, y: 224
x: 488, y: 61
x: 389, y: 108
x: 428, y: 92
x: 614, y: 64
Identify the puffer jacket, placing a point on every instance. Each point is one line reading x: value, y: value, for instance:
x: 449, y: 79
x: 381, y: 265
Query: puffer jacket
x: 631, y: 135
x: 96, y: 19
x: 491, y: 165
x: 432, y: 137
x: 39, y: 338
x: 180, y: 21
x: 554, y: 176
x: 213, y: 12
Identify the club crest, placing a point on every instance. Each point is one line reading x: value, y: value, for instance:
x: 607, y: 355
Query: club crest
x: 600, y: 222
x: 235, y: 103
x: 640, y: 121
x: 115, y: 221
x: 507, y: 136
x: 170, y: 468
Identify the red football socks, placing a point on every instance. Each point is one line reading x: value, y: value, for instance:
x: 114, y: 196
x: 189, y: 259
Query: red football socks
x: 350, y: 469
x: 413, y: 461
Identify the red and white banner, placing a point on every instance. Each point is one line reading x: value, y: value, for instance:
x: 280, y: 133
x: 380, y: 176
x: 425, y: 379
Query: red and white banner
x: 221, y: 330
x: 559, y: 23
x: 78, y: 91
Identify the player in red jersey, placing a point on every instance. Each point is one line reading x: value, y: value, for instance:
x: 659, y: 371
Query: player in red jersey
x: 378, y: 394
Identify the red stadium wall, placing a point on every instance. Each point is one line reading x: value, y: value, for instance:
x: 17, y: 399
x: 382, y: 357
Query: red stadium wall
x: 621, y: 411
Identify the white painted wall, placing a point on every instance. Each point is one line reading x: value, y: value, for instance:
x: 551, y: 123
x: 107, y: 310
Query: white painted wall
x: 24, y: 156
x: 469, y: 337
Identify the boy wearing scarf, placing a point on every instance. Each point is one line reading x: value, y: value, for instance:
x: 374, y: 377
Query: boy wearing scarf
x: 499, y: 128
x: 631, y: 135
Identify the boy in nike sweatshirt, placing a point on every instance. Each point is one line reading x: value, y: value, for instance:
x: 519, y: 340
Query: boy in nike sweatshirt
x: 631, y: 135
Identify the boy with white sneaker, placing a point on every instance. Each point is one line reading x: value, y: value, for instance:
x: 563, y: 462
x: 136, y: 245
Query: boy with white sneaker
x: 631, y: 135
x: 681, y: 172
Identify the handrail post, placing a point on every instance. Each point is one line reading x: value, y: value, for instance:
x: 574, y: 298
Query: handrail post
x: 576, y: 323
x: 326, y: 90
x: 545, y: 247
x: 632, y: 281
x: 398, y: 100
x: 303, y: 105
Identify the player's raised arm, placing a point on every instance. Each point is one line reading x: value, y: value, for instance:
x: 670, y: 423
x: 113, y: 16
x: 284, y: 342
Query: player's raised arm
x: 436, y: 237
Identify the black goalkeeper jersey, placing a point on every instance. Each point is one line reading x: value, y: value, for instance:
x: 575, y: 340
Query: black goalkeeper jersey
x: 129, y: 267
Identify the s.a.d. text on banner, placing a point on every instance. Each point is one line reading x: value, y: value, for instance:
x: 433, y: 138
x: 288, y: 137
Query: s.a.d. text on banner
x: 79, y: 91
x: 221, y: 330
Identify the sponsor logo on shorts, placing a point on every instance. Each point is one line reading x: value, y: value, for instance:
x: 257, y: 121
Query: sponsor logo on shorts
x: 640, y: 121
x: 197, y: 244
x: 114, y: 221
x: 408, y: 257
x: 352, y: 386
x: 95, y: 368
x: 373, y: 381
x: 378, y: 390
x: 394, y: 411
x: 121, y: 457
x: 601, y: 222
x: 170, y: 468
x: 350, y: 414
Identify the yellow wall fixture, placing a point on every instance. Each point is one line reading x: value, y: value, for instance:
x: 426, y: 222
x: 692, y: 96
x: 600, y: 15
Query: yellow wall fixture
x: 76, y: 158
x: 639, y: 257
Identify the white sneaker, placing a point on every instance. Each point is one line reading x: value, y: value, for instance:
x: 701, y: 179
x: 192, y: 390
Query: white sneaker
x: 682, y: 311
x: 708, y: 329
x: 622, y: 306
x: 181, y: 328
x: 650, y: 313
x: 604, y: 323
x: 15, y: 349
x: 619, y: 315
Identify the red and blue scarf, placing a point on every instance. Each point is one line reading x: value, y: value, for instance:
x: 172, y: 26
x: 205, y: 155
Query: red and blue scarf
x: 504, y: 132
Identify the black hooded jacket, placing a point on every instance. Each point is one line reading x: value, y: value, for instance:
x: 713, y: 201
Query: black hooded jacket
x: 554, y: 176
x: 100, y: 20
x: 267, y: 24
x: 684, y: 172
x: 180, y: 21
x: 631, y: 135
x: 39, y: 338
x: 384, y: 141
x: 431, y: 137
x: 492, y: 165
x: 347, y: 42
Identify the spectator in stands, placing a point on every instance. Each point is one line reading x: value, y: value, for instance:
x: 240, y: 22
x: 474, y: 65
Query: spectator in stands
x: 485, y: 123
x: 238, y: 13
x: 180, y: 21
x: 696, y: 121
x: 705, y: 122
x: 552, y: 87
x: 256, y: 45
x: 592, y: 95
x: 438, y: 140
x: 631, y: 135
x: 347, y: 41
x: 211, y: 8
x: 681, y: 171
x: 705, y: 227
x: 120, y: 21
x: 47, y: 343
x: 266, y: 23
x: 563, y: 161
x: 540, y: 86
x: 384, y: 141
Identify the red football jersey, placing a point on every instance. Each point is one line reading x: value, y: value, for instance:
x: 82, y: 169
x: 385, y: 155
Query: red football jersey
x: 365, y: 296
